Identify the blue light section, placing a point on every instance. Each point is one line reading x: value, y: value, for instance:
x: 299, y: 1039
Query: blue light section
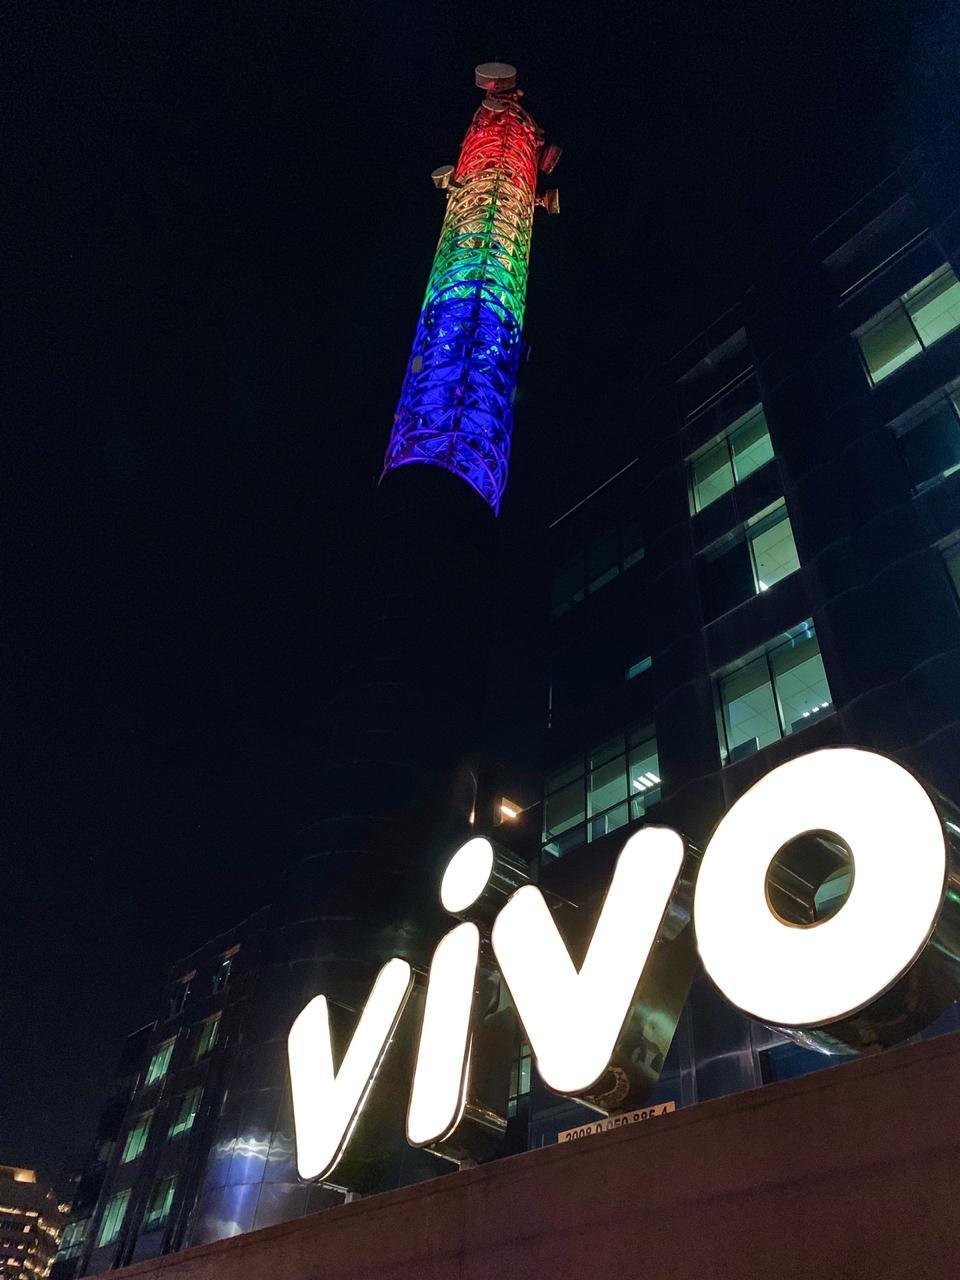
x: 456, y: 407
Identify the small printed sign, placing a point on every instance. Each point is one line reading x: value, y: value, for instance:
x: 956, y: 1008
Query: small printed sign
x: 616, y: 1122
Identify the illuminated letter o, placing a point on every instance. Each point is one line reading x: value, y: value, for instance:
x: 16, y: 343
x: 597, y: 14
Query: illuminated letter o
x: 796, y: 977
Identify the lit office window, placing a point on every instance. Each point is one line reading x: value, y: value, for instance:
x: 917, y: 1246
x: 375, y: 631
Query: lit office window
x: 752, y: 561
x: 113, y: 1218
x: 914, y: 322
x: 159, y: 1063
x: 637, y: 668
x: 611, y: 552
x: 519, y: 1078
x: 185, y: 1114
x: 615, y: 784
x: 206, y: 1037
x: 136, y: 1138
x: 71, y: 1242
x: 931, y: 443
x: 744, y: 447
x: 160, y: 1201
x: 773, y: 694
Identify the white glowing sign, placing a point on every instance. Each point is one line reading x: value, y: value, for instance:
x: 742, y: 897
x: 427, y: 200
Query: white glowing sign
x: 573, y: 1018
x: 786, y: 975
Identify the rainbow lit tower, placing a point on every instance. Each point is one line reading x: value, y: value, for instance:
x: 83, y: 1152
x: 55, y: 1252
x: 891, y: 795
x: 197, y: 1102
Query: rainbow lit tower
x: 456, y: 405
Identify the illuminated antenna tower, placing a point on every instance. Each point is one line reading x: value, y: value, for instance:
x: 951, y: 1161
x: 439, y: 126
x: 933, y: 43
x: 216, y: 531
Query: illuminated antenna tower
x: 456, y: 405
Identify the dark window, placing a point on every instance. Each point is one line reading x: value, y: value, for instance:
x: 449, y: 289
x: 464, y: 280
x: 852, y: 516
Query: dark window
x: 611, y: 552
x: 951, y: 559
x: 160, y: 1203
x: 931, y: 443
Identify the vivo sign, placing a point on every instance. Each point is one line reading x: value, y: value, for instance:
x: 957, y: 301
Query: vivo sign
x: 876, y: 971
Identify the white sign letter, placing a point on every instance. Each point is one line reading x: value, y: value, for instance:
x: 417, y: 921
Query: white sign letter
x: 443, y: 1055
x: 793, y: 976
x: 327, y: 1104
x: 572, y: 1019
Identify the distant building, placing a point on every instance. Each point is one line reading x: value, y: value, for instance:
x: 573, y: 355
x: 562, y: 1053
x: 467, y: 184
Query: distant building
x: 31, y: 1221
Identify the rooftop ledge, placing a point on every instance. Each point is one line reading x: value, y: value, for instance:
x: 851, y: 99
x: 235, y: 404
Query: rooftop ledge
x: 848, y: 1172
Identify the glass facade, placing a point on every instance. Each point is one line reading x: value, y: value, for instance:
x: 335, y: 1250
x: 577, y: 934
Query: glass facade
x: 614, y: 784
x: 772, y: 694
x: 922, y: 315
x: 611, y: 552
x: 520, y: 1072
x: 744, y: 447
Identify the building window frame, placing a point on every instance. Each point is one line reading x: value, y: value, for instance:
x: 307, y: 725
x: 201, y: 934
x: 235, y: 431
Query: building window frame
x: 159, y: 1063
x: 521, y: 1071
x: 591, y: 783
x: 114, y: 1213
x: 207, y: 1034
x: 160, y: 1203
x: 137, y: 1136
x: 905, y: 310
x: 921, y: 415
x: 771, y: 517
x: 769, y: 659
x: 185, y: 1115
x: 724, y: 445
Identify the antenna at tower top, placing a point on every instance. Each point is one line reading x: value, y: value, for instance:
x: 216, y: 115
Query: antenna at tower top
x: 496, y: 77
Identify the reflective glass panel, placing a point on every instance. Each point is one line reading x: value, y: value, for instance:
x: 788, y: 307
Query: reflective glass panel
x: 750, y: 444
x: 186, y: 1113
x: 934, y: 305
x: 644, y: 776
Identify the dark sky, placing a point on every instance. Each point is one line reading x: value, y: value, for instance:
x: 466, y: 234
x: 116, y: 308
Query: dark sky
x: 222, y: 226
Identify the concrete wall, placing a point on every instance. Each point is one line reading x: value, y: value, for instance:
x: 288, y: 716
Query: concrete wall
x: 850, y: 1173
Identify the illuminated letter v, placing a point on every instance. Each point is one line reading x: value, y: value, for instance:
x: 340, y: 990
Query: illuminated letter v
x: 327, y: 1104
x: 573, y: 1019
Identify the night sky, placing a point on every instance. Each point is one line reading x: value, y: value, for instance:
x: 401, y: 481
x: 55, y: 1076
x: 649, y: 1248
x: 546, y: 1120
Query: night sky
x: 222, y: 224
